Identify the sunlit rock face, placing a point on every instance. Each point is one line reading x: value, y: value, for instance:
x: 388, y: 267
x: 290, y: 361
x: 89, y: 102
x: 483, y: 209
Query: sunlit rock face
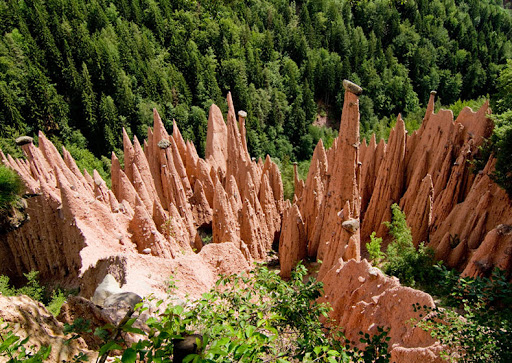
x: 30, y: 320
x: 363, y: 298
x: 166, y: 201
x: 163, y: 202
x: 465, y: 217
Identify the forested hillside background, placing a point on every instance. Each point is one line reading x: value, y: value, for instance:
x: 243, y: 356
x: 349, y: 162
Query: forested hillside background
x: 81, y: 70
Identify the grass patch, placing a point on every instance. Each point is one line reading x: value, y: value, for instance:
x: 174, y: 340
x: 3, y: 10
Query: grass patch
x: 11, y: 187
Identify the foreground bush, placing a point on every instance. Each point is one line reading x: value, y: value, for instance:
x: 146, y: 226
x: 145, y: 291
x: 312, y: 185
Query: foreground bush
x: 475, y: 322
x: 253, y: 317
x: 14, y: 348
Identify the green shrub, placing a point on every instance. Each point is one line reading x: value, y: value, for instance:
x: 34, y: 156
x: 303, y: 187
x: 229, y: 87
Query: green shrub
x: 402, y: 259
x: 253, y: 317
x: 475, y: 323
x: 11, y: 186
x: 52, y: 300
x: 5, y: 288
x: 32, y: 288
x: 58, y: 298
x: 398, y: 228
x: 502, y: 142
x: 376, y: 255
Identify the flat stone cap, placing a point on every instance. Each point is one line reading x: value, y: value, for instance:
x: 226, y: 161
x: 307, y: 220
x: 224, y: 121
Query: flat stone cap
x: 352, y: 225
x: 352, y: 87
x: 242, y: 114
x: 23, y: 140
x: 433, y: 93
x: 164, y: 144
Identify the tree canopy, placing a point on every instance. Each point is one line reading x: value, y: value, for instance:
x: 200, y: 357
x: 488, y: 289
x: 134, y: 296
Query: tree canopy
x: 71, y: 67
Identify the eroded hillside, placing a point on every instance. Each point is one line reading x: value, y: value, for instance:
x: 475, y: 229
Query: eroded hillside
x: 167, y: 203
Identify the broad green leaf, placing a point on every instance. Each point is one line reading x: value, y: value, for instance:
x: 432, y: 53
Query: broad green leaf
x: 129, y: 356
x: 108, y: 347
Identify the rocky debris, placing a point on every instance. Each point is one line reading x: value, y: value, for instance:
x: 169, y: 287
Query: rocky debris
x: 417, y: 354
x: 224, y: 259
x: 363, y: 298
x: 77, y: 307
x: 122, y: 301
x: 113, y: 314
x: 194, y: 275
x: 27, y: 318
x: 108, y: 287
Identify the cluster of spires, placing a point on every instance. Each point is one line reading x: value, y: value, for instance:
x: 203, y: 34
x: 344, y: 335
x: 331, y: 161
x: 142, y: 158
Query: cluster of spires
x: 166, y: 197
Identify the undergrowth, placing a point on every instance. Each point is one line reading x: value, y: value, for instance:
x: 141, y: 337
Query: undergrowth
x: 473, y: 320
x: 414, y: 267
x: 15, y: 349
x: 256, y: 317
x: 473, y: 316
x: 252, y: 317
x: 51, y: 298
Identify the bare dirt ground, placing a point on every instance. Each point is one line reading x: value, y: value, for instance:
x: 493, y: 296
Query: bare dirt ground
x: 324, y: 117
